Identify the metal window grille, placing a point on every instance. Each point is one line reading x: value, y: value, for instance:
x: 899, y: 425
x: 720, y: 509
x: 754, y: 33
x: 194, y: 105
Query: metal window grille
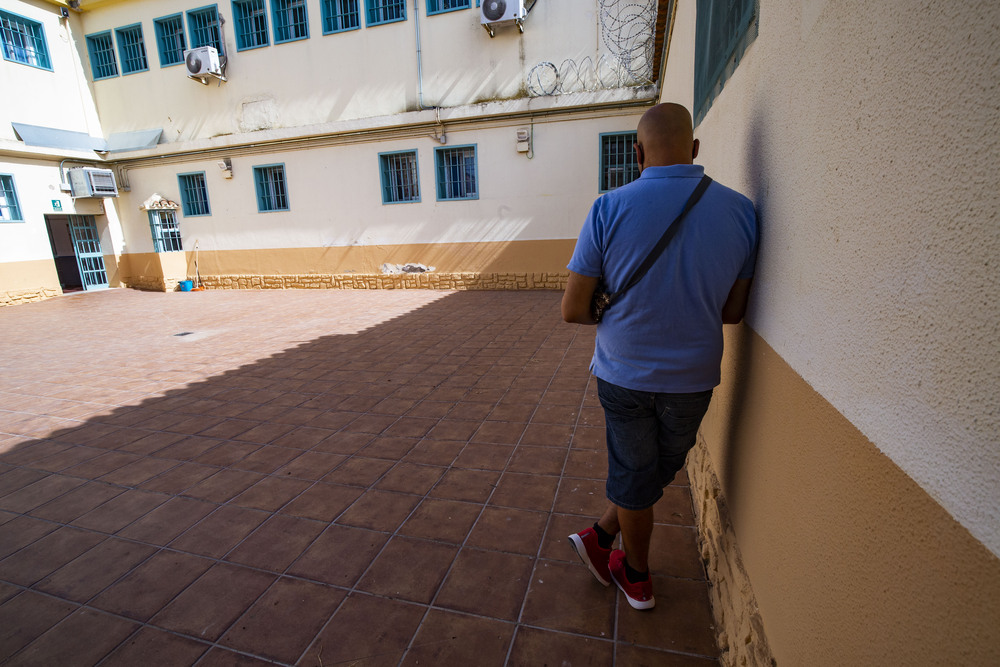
x: 438, y: 6
x: 131, y: 49
x: 89, y: 255
x: 251, y: 23
x: 166, y: 232
x: 194, y: 194
x: 456, y: 173
x: 23, y: 41
x: 102, y: 56
x: 170, y: 39
x: 385, y: 11
x: 290, y: 20
x: 618, y: 163
x: 340, y: 15
x: 272, y: 194
x: 723, y: 32
x: 9, y: 210
x: 204, y: 27
x: 399, y: 177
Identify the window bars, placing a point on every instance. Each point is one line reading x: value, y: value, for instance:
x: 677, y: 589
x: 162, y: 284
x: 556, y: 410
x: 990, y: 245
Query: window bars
x: 456, y: 173
x: 102, y: 56
x: 204, y: 27
x: 131, y: 49
x: 290, y: 20
x: 9, y: 209
x: 170, y: 40
x: 23, y: 41
x: 194, y: 194
x: 385, y: 11
x: 272, y: 193
x: 165, y: 230
x: 399, y: 177
x: 340, y: 15
x: 250, y: 17
x: 618, y: 162
x: 439, y: 6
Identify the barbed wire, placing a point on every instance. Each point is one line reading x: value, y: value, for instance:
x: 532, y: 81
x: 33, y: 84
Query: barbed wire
x: 627, y: 31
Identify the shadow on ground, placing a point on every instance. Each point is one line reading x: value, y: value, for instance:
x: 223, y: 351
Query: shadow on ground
x: 317, y: 478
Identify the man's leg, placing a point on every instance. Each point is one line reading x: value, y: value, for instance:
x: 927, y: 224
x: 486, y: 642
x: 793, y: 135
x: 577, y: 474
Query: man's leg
x: 637, y: 529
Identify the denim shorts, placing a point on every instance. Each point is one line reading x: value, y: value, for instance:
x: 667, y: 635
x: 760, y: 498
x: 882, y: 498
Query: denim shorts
x: 649, y: 435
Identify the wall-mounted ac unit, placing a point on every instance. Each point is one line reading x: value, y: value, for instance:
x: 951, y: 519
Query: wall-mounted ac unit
x: 201, y: 62
x: 92, y: 182
x: 494, y: 13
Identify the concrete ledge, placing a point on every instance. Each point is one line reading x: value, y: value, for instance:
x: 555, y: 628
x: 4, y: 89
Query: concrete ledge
x: 739, y: 627
x: 430, y: 280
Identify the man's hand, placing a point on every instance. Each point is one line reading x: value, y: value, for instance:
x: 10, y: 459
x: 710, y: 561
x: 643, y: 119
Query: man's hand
x: 576, y: 299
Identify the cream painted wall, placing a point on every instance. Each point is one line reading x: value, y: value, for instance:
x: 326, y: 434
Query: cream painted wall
x: 335, y: 196
x: 66, y: 103
x: 868, y: 137
x: 361, y: 73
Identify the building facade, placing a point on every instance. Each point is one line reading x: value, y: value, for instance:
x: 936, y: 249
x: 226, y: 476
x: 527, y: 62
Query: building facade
x: 316, y: 141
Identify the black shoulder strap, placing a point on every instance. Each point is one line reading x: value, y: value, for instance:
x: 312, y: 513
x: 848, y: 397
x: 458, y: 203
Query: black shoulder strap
x: 664, y: 241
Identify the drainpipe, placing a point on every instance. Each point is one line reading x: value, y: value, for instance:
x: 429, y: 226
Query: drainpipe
x: 420, y: 62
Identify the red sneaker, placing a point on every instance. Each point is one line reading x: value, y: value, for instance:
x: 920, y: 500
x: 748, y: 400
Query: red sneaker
x: 593, y: 556
x: 639, y: 595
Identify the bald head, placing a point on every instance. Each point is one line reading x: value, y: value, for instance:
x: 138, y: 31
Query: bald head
x: 665, y: 136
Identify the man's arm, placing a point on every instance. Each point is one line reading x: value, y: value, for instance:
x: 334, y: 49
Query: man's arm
x: 576, y: 299
x: 736, y: 304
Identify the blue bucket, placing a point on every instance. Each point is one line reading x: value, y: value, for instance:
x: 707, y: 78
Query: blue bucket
x: 186, y: 285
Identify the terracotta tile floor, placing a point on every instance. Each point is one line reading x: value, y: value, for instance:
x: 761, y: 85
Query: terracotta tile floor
x: 316, y: 478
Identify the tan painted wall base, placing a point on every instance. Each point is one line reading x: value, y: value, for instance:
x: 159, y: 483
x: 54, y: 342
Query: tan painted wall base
x: 432, y: 280
x: 23, y: 282
x: 850, y: 561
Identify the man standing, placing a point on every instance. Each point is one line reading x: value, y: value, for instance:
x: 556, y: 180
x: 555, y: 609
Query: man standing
x: 658, y: 348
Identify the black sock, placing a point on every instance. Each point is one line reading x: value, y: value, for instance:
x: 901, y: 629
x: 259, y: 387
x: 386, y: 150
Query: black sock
x: 604, y: 540
x: 635, y: 576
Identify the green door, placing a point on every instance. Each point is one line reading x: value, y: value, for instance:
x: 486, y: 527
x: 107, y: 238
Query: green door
x: 89, y: 257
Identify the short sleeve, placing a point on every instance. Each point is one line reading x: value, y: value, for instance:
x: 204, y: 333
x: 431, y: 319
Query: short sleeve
x: 587, y: 257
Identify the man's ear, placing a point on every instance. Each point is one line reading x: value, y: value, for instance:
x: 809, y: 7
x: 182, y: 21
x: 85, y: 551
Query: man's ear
x: 640, y: 155
x: 694, y: 149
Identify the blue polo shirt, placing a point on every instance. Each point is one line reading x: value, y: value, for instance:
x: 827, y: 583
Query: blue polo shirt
x: 665, y: 334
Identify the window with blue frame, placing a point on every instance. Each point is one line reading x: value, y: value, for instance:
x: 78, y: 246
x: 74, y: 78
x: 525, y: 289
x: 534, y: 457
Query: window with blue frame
x: 440, y: 6
x: 23, y: 41
x: 204, y: 27
x: 165, y: 230
x: 291, y: 21
x: 170, y: 40
x: 398, y: 172
x: 9, y: 209
x: 456, y: 173
x: 131, y: 49
x: 102, y: 55
x: 618, y: 162
x: 340, y: 15
x: 250, y: 17
x: 723, y: 31
x: 378, y: 12
x: 272, y: 192
x: 194, y: 194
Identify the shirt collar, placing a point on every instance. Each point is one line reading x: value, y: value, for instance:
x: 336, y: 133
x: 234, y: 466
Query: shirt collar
x: 674, y: 171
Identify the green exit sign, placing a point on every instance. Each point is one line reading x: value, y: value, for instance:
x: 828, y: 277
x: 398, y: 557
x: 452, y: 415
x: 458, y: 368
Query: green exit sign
x: 56, y: 205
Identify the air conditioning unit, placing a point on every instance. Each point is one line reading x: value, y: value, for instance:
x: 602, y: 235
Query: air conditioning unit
x: 494, y: 13
x: 92, y: 182
x: 201, y: 62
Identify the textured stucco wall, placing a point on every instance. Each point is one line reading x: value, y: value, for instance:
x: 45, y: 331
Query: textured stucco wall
x: 868, y: 134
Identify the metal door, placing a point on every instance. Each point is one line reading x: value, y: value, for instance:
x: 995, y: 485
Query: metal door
x: 89, y: 257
